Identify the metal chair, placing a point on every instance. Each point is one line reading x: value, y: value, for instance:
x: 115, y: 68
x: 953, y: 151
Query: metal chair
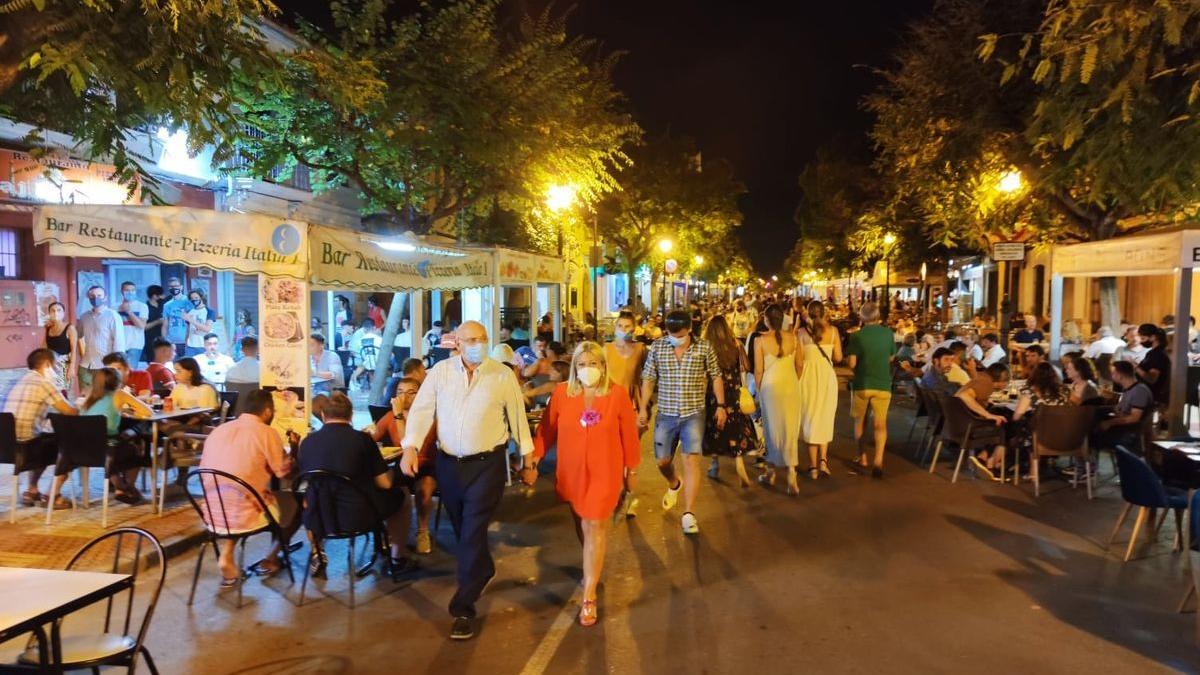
x: 1062, y: 431
x: 933, y: 425
x: 208, y: 490
x: 321, y: 489
x: 82, y: 443
x: 1141, y: 487
x: 378, y: 411
x: 23, y: 457
x: 921, y: 412
x: 126, y: 550
x: 229, y: 401
x: 961, y: 427
x: 1191, y: 394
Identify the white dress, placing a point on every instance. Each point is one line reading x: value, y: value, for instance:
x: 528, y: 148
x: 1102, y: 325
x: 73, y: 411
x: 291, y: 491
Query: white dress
x: 779, y: 396
x: 818, y: 393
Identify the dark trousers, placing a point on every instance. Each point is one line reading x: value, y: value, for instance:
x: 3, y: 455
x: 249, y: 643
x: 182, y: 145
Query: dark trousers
x: 471, y: 491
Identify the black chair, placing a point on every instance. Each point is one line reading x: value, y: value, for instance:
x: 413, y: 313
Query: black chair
x: 961, y: 427
x: 127, y: 550
x: 921, y: 412
x: 1062, y: 431
x: 82, y: 443
x: 933, y: 425
x: 436, y: 355
x: 321, y: 491
x: 201, y: 483
x: 23, y: 456
x: 1191, y: 394
x: 378, y: 411
x: 229, y: 401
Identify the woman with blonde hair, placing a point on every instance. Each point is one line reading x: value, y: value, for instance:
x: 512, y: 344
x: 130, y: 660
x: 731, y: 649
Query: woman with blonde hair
x: 819, y: 348
x: 593, y: 424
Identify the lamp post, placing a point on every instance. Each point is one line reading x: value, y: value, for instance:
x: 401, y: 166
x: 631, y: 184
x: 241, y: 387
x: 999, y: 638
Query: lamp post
x: 889, y: 240
x: 665, y: 246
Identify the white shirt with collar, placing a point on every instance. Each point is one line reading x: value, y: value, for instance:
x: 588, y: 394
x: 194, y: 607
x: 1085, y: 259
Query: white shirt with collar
x: 103, y: 333
x: 244, y: 372
x: 214, y: 368
x: 993, y: 355
x: 472, y: 416
x: 1105, y: 345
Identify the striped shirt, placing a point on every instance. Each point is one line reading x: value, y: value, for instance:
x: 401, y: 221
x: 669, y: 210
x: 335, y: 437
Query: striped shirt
x: 681, y: 381
x: 31, y: 399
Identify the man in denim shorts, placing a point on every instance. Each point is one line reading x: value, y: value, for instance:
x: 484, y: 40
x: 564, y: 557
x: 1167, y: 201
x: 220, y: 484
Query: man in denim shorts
x: 677, y: 372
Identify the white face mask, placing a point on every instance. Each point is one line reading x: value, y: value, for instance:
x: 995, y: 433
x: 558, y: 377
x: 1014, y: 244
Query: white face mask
x: 589, y: 376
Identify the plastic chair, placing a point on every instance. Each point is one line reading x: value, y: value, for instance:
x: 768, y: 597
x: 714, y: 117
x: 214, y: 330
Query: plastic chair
x: 20, y: 455
x: 1062, y: 431
x: 116, y: 645
x: 961, y: 427
x: 321, y: 490
x: 208, y: 490
x: 921, y: 412
x: 378, y: 411
x: 1141, y: 487
x: 82, y: 443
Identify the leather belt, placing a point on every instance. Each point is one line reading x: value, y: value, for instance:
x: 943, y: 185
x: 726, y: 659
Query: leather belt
x: 475, y: 457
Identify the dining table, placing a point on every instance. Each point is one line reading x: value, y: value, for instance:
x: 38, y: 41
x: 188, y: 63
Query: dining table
x: 155, y: 419
x: 36, y: 597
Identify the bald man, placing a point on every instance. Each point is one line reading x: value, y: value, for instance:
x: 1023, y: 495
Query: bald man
x: 478, y: 407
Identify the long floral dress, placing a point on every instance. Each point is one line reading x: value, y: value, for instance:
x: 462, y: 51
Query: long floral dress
x: 738, y: 436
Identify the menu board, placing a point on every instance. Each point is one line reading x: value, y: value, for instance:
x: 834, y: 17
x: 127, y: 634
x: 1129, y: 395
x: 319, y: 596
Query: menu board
x: 283, y: 350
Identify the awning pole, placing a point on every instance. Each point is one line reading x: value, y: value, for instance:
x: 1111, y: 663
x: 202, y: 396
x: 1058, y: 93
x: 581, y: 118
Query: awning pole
x: 1056, y: 299
x: 1179, y: 361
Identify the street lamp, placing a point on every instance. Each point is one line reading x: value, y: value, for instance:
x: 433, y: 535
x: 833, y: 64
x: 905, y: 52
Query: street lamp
x: 665, y: 246
x: 1010, y: 182
x: 889, y: 240
x: 559, y: 198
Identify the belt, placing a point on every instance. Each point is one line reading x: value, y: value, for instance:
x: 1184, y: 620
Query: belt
x: 475, y: 457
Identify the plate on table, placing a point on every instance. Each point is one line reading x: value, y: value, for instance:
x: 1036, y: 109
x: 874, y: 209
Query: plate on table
x: 1190, y: 449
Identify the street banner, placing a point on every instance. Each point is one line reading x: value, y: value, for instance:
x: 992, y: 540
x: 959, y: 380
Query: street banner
x: 283, y: 359
x: 528, y: 268
x: 233, y: 242
x: 358, y: 261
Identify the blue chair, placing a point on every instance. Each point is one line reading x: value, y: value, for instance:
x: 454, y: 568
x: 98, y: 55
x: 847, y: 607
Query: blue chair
x: 1192, y: 549
x: 1141, y: 487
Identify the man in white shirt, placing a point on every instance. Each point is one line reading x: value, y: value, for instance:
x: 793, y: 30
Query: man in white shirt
x: 134, y: 314
x: 477, y: 405
x: 102, y: 332
x: 326, y: 365
x: 992, y: 351
x: 1106, y: 343
x: 213, y: 364
x: 741, y: 321
x: 246, y: 370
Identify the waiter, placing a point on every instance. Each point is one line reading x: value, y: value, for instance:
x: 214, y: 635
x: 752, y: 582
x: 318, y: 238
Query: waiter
x: 478, y: 407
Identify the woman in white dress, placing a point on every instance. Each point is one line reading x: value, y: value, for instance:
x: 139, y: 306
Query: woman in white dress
x: 820, y: 347
x: 779, y: 399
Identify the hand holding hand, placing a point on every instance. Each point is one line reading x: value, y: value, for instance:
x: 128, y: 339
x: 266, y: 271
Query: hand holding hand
x: 630, y: 481
x: 643, y: 420
x: 529, y: 471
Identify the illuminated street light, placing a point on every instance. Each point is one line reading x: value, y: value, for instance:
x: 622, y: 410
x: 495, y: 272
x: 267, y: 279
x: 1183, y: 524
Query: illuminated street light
x: 560, y: 197
x: 774, y: 277
x: 889, y: 239
x: 1010, y: 182
x: 699, y: 260
x: 666, y: 245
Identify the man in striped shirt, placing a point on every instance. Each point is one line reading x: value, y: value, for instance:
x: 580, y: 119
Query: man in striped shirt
x: 678, y: 368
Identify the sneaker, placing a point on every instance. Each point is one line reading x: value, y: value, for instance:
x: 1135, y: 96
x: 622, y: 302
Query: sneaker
x: 424, y: 542
x: 715, y: 470
x: 631, y: 506
x: 983, y: 469
x: 671, y: 496
x: 689, y: 523
x: 461, y: 629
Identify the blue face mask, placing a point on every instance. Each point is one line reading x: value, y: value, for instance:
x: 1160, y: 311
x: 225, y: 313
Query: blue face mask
x: 96, y: 301
x: 620, y: 335
x: 474, y: 354
x: 129, y: 295
x: 676, y: 341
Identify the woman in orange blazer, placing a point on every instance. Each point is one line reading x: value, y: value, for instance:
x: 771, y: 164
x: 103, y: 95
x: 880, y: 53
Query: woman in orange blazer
x: 594, y: 426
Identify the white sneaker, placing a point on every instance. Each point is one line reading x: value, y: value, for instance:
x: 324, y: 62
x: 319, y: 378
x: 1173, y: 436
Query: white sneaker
x: 631, y: 506
x: 690, y: 526
x: 671, y: 496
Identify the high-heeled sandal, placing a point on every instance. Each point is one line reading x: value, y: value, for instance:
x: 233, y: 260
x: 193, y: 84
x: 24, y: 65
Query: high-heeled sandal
x: 813, y: 473
x: 767, y: 479
x: 793, y: 487
x: 825, y: 467
x: 588, y: 613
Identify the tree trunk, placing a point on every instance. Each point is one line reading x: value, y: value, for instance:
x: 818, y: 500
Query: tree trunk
x: 631, y: 279
x: 1110, y: 304
x: 383, y: 366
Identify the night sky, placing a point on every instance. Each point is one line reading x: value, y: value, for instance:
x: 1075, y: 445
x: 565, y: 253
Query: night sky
x: 761, y: 84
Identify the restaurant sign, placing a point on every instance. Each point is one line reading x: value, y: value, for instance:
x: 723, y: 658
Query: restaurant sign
x: 353, y: 260
x: 235, y: 242
x: 515, y: 266
x: 60, y: 180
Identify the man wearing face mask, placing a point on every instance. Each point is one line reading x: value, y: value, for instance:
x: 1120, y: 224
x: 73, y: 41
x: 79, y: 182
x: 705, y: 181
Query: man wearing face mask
x: 175, y: 326
x: 134, y: 314
x: 478, y: 408
x: 102, y: 332
x: 679, y: 367
x: 625, y: 357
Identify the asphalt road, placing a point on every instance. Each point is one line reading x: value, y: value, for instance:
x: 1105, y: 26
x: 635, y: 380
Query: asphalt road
x: 907, y: 574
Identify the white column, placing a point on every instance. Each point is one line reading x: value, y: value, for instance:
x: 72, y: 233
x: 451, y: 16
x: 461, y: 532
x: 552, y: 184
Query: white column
x: 494, y: 327
x: 416, y: 315
x: 330, y: 312
x: 1179, y: 364
x: 1056, y: 299
x: 557, y: 309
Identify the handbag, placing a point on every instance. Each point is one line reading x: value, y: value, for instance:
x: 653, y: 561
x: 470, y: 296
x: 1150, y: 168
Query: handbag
x: 746, y: 401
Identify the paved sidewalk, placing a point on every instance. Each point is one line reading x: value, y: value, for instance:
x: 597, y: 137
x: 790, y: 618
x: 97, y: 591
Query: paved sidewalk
x: 31, y: 543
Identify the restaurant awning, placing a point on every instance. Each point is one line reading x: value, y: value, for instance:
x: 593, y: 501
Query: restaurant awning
x: 360, y: 261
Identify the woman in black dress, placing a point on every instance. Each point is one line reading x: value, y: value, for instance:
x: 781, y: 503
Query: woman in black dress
x: 737, y: 437
x: 63, y: 340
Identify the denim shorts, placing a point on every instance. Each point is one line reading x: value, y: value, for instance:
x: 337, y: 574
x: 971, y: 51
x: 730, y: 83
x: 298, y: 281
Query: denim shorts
x: 686, y: 432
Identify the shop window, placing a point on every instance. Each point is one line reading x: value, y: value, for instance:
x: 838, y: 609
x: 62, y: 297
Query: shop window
x: 9, y: 255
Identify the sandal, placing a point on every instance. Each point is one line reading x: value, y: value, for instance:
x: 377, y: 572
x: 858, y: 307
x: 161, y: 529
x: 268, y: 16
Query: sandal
x: 825, y: 467
x: 33, y: 498
x: 265, y: 568
x: 813, y: 473
x: 232, y: 582
x: 767, y: 479
x: 587, y: 613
